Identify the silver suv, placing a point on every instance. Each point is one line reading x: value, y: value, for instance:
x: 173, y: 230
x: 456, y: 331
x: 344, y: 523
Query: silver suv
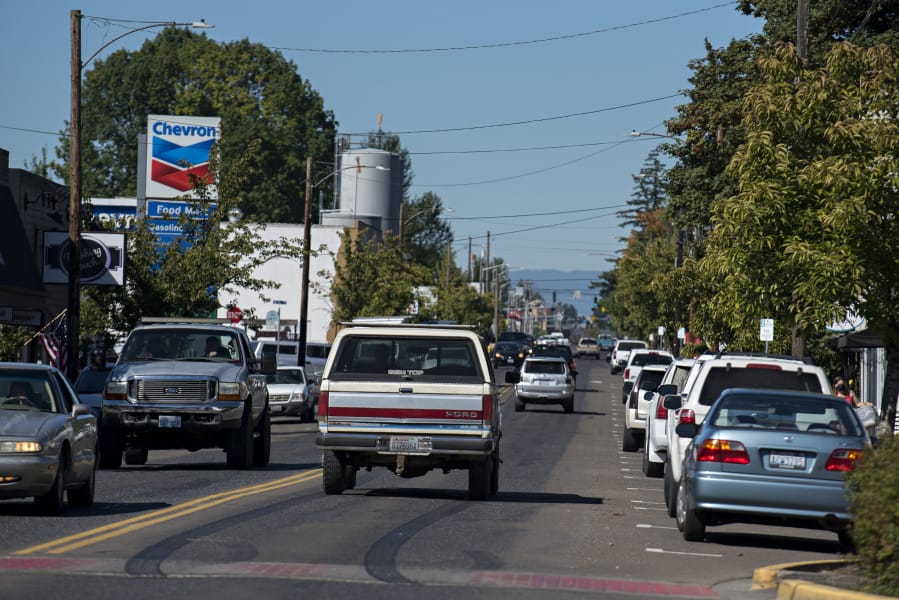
x: 188, y: 385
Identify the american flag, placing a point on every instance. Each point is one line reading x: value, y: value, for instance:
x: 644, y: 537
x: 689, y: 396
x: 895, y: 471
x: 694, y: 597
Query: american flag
x: 54, y: 339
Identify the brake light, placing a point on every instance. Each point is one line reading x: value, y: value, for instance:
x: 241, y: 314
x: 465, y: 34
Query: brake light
x: 323, y: 406
x: 627, y: 373
x: 764, y: 366
x: 487, y: 407
x: 687, y: 416
x: 843, y: 459
x: 723, y: 451
x: 661, y: 411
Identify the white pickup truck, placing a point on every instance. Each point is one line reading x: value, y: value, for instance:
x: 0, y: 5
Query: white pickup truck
x: 411, y: 399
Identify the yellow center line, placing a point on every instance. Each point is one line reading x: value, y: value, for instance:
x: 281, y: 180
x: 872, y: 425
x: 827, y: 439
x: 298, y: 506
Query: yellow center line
x: 99, y: 534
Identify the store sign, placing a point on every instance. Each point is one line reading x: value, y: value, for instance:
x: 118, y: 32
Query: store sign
x: 178, y: 154
x: 102, y: 258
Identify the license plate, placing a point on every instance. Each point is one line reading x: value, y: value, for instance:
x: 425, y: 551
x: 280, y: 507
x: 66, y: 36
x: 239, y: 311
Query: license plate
x: 409, y: 444
x: 786, y: 461
x: 510, y: 360
x: 169, y: 421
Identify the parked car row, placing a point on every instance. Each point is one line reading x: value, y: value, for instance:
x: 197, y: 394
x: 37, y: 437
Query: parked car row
x: 745, y: 438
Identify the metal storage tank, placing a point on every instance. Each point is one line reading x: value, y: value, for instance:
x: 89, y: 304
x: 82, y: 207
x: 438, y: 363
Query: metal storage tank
x: 371, y: 186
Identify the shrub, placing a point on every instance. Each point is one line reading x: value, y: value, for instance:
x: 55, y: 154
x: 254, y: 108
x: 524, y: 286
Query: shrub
x: 874, y: 499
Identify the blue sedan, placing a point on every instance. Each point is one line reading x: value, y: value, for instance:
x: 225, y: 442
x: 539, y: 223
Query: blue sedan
x: 770, y: 457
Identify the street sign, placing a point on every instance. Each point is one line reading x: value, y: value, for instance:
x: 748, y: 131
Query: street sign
x: 235, y: 314
x: 766, y: 330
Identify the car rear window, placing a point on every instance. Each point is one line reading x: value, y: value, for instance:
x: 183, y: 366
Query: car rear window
x: 641, y: 360
x: 406, y: 358
x: 786, y: 413
x: 722, y: 378
x: 544, y: 366
x: 630, y: 345
x: 650, y: 380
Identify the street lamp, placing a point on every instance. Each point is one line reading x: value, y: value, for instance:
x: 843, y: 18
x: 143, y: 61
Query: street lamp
x: 437, y: 210
x: 635, y: 133
x: 358, y: 168
x: 74, y: 292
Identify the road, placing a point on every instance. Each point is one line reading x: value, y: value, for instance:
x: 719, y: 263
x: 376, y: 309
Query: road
x: 574, y: 515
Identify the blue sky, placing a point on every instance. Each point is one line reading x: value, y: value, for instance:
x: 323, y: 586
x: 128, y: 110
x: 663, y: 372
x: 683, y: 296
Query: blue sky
x: 546, y: 187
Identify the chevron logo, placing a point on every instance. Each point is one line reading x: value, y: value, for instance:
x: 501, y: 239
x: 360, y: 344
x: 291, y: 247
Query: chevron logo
x: 179, y: 179
x: 169, y: 160
x: 195, y: 154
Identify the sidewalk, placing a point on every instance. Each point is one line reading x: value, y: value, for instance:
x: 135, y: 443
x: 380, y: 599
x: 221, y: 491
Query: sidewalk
x: 814, y: 580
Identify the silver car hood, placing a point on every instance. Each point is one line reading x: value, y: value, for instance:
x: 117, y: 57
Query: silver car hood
x: 25, y: 423
x: 177, y: 368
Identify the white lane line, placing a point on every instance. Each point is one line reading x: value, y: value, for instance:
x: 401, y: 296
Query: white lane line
x: 648, y: 526
x: 660, y: 551
x: 642, y: 490
x: 645, y: 502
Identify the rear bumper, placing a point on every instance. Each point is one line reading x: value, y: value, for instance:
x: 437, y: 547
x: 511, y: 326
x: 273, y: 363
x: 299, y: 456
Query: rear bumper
x: 441, y: 445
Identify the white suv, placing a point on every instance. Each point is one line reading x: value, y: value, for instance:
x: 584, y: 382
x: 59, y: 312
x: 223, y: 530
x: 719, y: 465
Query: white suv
x: 635, y: 406
x: 655, y: 443
x: 714, y: 375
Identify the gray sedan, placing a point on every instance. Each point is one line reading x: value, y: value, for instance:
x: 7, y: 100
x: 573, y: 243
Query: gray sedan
x: 770, y: 457
x: 48, y: 439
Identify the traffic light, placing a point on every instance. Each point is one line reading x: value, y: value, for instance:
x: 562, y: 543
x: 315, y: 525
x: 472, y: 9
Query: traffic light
x: 595, y: 301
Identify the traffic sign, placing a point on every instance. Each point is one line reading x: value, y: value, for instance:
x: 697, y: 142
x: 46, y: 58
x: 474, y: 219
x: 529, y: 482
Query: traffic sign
x: 766, y: 330
x: 235, y: 314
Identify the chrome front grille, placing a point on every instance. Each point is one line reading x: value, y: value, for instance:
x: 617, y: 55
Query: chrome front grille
x: 175, y: 391
x: 278, y: 398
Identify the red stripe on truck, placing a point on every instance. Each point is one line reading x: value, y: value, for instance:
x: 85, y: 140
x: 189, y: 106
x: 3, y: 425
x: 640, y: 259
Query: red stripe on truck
x: 335, y: 412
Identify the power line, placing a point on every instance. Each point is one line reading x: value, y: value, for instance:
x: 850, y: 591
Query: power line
x: 490, y: 46
x: 542, y: 214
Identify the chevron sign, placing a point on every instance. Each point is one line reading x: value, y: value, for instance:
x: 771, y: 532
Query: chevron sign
x: 179, y: 153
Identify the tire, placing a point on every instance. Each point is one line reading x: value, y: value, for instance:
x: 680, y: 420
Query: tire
x: 846, y: 540
x: 333, y: 473
x: 479, y: 480
x: 240, y: 443
x: 349, y: 477
x: 52, y: 502
x: 262, y: 445
x: 688, y: 522
x: 111, y: 448
x: 568, y: 404
x: 629, y: 442
x: 670, y: 493
x: 136, y: 456
x: 83, y: 497
x: 519, y: 405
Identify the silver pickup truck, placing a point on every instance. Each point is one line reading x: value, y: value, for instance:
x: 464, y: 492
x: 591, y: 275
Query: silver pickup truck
x: 186, y: 385
x: 411, y: 399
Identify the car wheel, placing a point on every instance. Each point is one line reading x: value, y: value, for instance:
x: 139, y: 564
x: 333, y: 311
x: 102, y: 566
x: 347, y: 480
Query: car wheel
x: 629, y: 441
x: 670, y: 492
x: 688, y: 521
x: 111, y: 448
x: 479, y: 480
x: 845, y: 537
x: 83, y: 497
x: 651, y: 469
x: 519, y: 405
x: 568, y: 405
x: 136, y: 456
x: 51, y: 503
x: 333, y: 473
x: 262, y: 442
x: 240, y: 443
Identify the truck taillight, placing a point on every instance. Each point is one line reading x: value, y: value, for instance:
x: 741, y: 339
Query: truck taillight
x: 323, y: 406
x: 723, y: 451
x: 627, y: 373
x: 487, y: 407
x: 661, y: 411
x: 686, y: 416
x: 843, y: 459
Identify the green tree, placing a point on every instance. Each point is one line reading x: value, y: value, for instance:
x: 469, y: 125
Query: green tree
x: 811, y: 232
x: 426, y: 236
x: 183, y: 278
x: 256, y: 91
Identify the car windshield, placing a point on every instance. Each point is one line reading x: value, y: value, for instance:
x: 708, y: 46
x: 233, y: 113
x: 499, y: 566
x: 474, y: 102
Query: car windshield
x: 786, y: 413
x: 26, y: 391
x: 290, y: 376
x: 507, y: 347
x: 181, y: 344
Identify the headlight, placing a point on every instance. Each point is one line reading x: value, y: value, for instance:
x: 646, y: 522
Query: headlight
x: 20, y: 447
x: 230, y: 390
x: 116, y: 390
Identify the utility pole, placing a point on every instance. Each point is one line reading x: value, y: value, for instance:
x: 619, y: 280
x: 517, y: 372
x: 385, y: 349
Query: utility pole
x: 304, y: 285
x: 469, y: 259
x: 802, y: 29
x: 74, y: 291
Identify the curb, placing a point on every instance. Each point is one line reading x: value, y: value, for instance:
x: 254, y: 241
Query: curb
x: 786, y: 577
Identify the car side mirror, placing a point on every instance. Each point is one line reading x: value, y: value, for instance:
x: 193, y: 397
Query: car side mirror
x: 667, y: 389
x: 513, y: 376
x: 686, y: 430
x: 81, y: 410
x: 672, y: 402
x: 269, y: 363
x: 647, y: 396
x: 627, y: 387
